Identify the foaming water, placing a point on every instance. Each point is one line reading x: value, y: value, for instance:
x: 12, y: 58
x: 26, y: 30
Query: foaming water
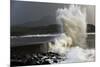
x: 70, y: 44
x: 74, y: 23
x: 60, y: 44
x: 77, y: 54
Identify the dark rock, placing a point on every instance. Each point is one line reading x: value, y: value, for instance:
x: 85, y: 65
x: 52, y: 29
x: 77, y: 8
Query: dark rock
x: 46, y: 62
x: 35, y: 59
x: 90, y: 28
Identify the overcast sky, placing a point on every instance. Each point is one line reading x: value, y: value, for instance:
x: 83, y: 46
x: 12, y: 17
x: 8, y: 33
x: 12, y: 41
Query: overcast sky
x: 24, y: 12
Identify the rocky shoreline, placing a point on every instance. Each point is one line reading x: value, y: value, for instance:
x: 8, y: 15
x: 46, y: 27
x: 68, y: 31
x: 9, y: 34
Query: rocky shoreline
x: 36, y: 59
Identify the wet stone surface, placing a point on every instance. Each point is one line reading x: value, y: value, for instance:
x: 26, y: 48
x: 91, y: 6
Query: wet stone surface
x: 35, y: 59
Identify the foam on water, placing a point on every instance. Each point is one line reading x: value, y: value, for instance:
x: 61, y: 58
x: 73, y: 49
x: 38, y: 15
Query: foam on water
x: 77, y: 54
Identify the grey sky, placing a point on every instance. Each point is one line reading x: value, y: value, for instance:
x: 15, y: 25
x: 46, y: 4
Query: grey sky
x: 27, y: 12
